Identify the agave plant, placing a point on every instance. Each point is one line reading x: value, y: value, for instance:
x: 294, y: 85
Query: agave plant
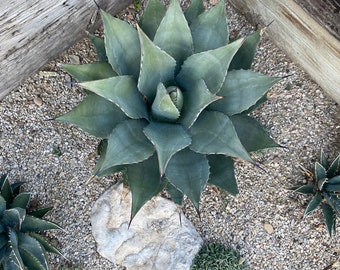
x: 325, y: 190
x: 169, y: 98
x: 21, y: 247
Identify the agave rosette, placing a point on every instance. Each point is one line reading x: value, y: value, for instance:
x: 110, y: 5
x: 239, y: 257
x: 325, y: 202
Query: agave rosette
x: 170, y: 100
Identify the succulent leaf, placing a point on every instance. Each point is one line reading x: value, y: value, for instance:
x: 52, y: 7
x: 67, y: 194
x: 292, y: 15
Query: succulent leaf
x: 127, y: 144
x: 156, y: 67
x: 34, y: 224
x: 241, y: 90
x: 123, y: 59
x: 194, y: 10
x: 13, y: 261
x: 334, y: 167
x: 259, y: 139
x: 173, y: 34
x: 333, y: 201
x: 323, y: 159
x: 334, y: 180
x: 168, y: 139
x: 313, y: 204
x: 163, y: 108
x: 244, y: 57
x: 21, y: 200
x: 45, y: 244
x: 211, y: 66
x: 210, y: 29
x: 222, y: 173
x: 305, y: 189
x: 39, y: 213
x: 90, y: 72
x: 320, y: 172
x: 99, y: 45
x: 176, y: 195
x: 196, y: 100
x: 121, y: 91
x: 32, y: 252
x: 6, y: 191
x: 330, y: 218
x: 94, y: 116
x: 214, y: 133
x: 188, y: 172
x: 14, y: 217
x: 2, y: 206
x: 332, y: 187
x: 152, y: 17
x: 145, y: 182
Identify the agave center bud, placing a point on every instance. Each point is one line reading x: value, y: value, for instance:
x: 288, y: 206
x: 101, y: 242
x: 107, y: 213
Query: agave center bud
x: 167, y: 103
x: 176, y: 96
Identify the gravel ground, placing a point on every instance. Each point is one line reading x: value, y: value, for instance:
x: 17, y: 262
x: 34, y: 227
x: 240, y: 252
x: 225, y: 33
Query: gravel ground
x: 264, y: 222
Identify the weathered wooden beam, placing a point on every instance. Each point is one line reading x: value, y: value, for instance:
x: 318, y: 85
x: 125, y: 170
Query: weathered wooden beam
x: 301, y: 37
x: 33, y: 32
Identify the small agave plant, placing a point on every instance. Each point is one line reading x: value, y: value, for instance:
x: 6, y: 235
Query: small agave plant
x: 21, y: 247
x: 170, y: 101
x: 325, y: 190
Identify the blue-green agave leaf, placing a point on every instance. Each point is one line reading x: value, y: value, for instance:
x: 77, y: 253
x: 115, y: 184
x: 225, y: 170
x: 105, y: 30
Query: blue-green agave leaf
x: 13, y: 261
x: 102, y: 152
x: 6, y: 190
x: 188, y: 172
x: 34, y: 224
x: 334, y: 180
x: 173, y: 34
x: 3, y: 242
x: 176, y: 195
x: 321, y: 183
x: 222, y: 173
x: 194, y: 10
x: 210, y: 29
x: 168, y: 139
x: 145, y: 182
x: 94, y: 116
x: 14, y: 217
x: 163, y: 108
x: 123, y: 92
x: 241, y: 90
x: 196, y: 99
x: 45, y: 244
x: 330, y: 218
x: 305, y: 189
x: 156, y: 66
x: 244, y: 57
x: 3, y: 206
x: 32, y: 253
x: 214, y: 133
x: 323, y: 159
x: 90, y: 72
x: 21, y: 200
x: 123, y: 59
x: 99, y: 45
x: 313, y: 204
x: 333, y: 201
x: 251, y: 134
x: 211, y: 66
x: 3, y: 179
x: 127, y: 144
x: 152, y: 17
x: 334, y: 167
x: 40, y: 212
x: 332, y: 187
x: 320, y: 171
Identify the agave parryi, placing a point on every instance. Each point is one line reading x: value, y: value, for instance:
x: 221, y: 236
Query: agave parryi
x: 325, y: 190
x: 170, y: 101
x: 21, y: 247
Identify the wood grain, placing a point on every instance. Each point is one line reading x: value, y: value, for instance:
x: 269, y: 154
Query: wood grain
x: 33, y: 32
x: 304, y: 40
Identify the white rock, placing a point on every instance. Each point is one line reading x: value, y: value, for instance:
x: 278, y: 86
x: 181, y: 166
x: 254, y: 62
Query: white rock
x: 155, y: 239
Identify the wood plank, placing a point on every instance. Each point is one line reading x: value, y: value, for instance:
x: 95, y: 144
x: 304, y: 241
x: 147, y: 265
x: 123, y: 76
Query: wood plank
x: 34, y: 32
x: 301, y: 37
x: 325, y: 12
